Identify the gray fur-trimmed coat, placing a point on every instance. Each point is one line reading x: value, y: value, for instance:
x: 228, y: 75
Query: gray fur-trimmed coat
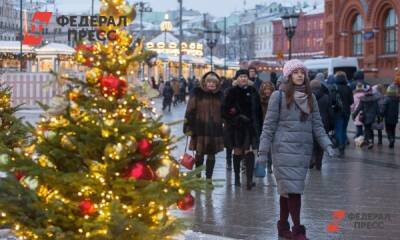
x: 291, y: 142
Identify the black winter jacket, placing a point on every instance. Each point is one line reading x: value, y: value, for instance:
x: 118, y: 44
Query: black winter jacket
x: 369, y: 107
x: 325, y: 110
x: 391, y: 110
x: 346, y: 95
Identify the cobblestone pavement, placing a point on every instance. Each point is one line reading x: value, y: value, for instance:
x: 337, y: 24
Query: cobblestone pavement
x: 364, y: 186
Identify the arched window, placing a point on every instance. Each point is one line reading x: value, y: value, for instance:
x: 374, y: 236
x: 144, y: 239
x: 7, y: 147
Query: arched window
x: 390, y: 33
x: 357, y: 36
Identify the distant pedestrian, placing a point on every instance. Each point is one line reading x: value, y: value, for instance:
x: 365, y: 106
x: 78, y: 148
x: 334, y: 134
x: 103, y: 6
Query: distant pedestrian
x: 253, y: 76
x: 391, y: 113
x: 342, y: 96
x: 292, y: 123
x: 369, y: 110
x: 203, y: 121
x: 359, y: 92
x: 266, y: 90
x: 379, y: 91
x: 175, y: 88
x: 327, y: 117
x: 167, y: 93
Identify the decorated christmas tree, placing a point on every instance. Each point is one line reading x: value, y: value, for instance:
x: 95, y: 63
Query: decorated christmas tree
x: 13, y: 133
x: 101, y: 167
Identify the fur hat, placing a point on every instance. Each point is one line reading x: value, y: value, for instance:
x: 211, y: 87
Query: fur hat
x: 359, y: 87
x: 315, y: 84
x: 241, y: 72
x: 293, y: 65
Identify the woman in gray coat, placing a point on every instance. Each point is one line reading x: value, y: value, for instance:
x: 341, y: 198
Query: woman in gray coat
x: 292, y: 122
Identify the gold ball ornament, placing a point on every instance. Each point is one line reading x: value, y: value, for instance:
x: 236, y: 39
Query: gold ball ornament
x: 165, y: 130
x: 115, y: 151
x: 4, y: 158
x: 93, y: 75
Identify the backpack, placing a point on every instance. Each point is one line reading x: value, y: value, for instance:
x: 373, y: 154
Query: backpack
x: 337, y: 103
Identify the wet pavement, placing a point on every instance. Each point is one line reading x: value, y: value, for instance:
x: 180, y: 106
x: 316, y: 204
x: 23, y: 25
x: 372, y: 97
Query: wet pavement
x: 364, y: 186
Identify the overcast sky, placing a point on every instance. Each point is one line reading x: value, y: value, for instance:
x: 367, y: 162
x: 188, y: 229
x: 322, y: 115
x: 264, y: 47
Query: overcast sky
x: 215, y: 7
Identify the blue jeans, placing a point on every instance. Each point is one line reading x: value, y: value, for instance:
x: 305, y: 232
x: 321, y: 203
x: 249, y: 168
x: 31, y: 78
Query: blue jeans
x: 341, y: 122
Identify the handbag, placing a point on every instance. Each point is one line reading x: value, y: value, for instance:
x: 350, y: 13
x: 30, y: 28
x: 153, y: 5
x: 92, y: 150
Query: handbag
x: 260, y: 170
x: 187, y: 160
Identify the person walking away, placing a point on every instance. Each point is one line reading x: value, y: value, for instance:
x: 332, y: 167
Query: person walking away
x: 182, y: 90
x: 161, y: 86
x: 370, y: 112
x: 379, y: 91
x: 203, y: 121
x: 342, y: 100
x: 391, y: 113
x: 253, y: 75
x: 292, y: 123
x: 175, y: 88
x: 266, y: 90
x: 359, y: 92
x: 327, y: 117
x: 242, y: 109
x: 167, y: 94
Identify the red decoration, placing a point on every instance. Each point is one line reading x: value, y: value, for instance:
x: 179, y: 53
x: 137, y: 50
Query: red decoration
x: 19, y: 175
x: 90, y: 48
x: 186, y: 203
x: 140, y: 171
x: 87, y: 207
x: 88, y: 62
x: 112, y: 36
x: 144, y: 147
x: 111, y: 85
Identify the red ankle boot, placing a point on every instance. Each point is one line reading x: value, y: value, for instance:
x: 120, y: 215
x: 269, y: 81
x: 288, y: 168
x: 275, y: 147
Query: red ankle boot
x: 299, y: 233
x: 284, y: 230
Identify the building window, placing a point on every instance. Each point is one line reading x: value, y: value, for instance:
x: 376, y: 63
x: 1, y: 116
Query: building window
x: 390, y: 33
x: 357, y: 36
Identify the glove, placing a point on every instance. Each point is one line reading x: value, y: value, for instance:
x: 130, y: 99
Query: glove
x: 331, y: 152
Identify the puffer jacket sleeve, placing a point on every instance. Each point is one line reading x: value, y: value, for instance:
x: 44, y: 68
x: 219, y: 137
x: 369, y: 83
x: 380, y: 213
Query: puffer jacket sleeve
x: 318, y: 128
x: 270, y: 125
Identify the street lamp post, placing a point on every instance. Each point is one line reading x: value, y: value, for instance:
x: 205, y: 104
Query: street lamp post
x: 289, y: 22
x: 212, y: 36
x: 180, y: 36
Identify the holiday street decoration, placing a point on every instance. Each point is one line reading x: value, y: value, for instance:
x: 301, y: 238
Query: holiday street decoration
x: 100, y: 165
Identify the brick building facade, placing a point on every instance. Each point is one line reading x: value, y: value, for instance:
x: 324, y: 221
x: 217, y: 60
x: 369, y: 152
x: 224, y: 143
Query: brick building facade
x: 308, y: 40
x: 368, y: 30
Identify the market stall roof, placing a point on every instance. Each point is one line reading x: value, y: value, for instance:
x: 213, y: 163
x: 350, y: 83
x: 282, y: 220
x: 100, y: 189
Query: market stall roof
x: 55, y: 48
x: 169, y: 38
x: 14, y: 47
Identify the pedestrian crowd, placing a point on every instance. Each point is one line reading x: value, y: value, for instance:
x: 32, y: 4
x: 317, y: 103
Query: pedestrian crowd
x: 286, y: 125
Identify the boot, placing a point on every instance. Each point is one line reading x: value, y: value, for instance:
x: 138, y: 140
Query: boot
x: 210, y: 166
x: 229, y: 159
x: 284, y: 230
x: 250, y: 169
x: 236, y: 168
x: 391, y: 142
x: 341, y: 151
x: 299, y: 232
x: 199, y: 162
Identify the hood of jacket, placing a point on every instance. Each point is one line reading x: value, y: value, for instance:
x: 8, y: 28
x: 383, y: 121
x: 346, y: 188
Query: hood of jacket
x: 203, y: 85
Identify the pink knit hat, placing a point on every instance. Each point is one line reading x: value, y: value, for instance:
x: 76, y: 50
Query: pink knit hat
x: 293, y: 65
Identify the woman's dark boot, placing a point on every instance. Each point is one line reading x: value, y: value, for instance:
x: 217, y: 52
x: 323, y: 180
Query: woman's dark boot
x: 284, y: 230
x: 299, y: 232
x: 250, y: 169
x: 199, y: 162
x: 228, y: 159
x: 236, y: 168
x: 210, y: 166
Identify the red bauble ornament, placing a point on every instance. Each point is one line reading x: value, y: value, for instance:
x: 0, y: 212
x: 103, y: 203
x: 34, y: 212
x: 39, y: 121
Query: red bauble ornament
x: 90, y: 48
x: 140, y: 171
x: 88, y: 63
x: 186, y: 203
x: 87, y: 207
x: 111, y: 85
x: 19, y: 175
x: 144, y: 147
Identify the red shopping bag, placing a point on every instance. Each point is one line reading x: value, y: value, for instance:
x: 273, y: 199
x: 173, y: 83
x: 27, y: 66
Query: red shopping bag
x: 187, y: 160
